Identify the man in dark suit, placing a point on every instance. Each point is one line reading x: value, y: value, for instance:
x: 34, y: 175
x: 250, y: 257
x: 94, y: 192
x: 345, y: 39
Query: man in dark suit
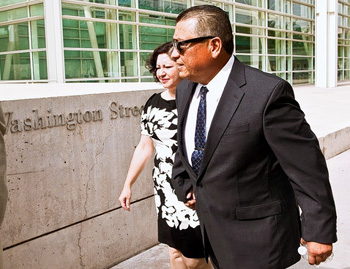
x: 3, y: 188
x: 260, y: 160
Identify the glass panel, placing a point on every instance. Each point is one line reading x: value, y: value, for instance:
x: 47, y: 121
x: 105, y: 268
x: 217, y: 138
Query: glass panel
x: 340, y: 52
x: 346, y: 75
x: 10, y: 15
x: 301, y: 63
x: 130, y: 80
x: 127, y: 15
x: 175, y: 7
x: 288, y: 24
x: 152, y: 37
x: 79, y: 64
x: 38, y: 34
x: 206, y: 2
x: 147, y: 80
x: 252, y: 60
x: 160, y: 20
x: 281, y: 75
x: 110, y: 63
x: 277, y: 63
x: 303, y: 37
x: 302, y: 26
x: 250, y: 30
x: 287, y: 7
x: 10, y: 2
x: 279, y: 34
x: 346, y: 63
x: 306, y: 1
x: 275, y: 5
x: 37, y: 10
x: 340, y: 75
x: 258, y: 3
x: 302, y: 11
x: 164, y: 5
x: 87, y: 34
x: 249, y: 44
x: 90, y: 64
x: 89, y: 12
x: 107, y: 2
x: 302, y: 78
x: 250, y: 17
x: 272, y: 63
x: 144, y: 71
x: 340, y: 63
x: 346, y: 51
x: 276, y: 46
x: 302, y: 48
x: 128, y: 64
x: 346, y: 33
x: 14, y: 37
x: 127, y: 35
x: 275, y: 21
x: 39, y: 65
x: 126, y: 3
x: 15, y: 66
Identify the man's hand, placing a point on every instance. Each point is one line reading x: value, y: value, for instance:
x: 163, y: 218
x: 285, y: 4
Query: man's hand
x: 317, y: 252
x: 191, y: 200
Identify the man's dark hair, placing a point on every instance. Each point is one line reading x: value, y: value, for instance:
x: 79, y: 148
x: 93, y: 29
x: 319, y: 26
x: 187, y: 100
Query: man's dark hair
x: 151, y: 63
x: 211, y: 21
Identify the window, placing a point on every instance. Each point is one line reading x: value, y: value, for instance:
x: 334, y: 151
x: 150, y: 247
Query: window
x: 110, y: 40
x: 22, y: 42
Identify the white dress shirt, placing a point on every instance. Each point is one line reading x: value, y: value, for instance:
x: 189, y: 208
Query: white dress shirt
x: 215, y: 89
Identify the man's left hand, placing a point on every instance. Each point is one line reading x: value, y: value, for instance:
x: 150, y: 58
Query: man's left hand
x: 317, y: 252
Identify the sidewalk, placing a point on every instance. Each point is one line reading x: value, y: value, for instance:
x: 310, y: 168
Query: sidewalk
x: 327, y: 111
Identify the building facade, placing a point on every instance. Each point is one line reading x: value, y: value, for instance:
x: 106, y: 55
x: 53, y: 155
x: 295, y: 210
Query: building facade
x: 64, y: 41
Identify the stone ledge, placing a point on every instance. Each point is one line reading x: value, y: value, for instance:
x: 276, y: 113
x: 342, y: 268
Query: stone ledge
x: 335, y: 143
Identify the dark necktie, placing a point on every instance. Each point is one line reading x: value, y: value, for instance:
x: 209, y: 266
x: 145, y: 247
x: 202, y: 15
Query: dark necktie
x: 200, y: 135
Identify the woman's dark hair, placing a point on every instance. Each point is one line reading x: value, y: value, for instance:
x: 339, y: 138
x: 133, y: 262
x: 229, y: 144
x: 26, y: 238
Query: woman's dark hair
x: 151, y: 63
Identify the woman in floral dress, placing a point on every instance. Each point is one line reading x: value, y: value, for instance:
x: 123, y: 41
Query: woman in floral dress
x: 178, y: 225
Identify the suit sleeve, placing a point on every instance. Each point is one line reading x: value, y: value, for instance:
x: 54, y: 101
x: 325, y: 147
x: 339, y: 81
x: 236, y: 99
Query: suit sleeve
x: 297, y: 150
x: 180, y: 179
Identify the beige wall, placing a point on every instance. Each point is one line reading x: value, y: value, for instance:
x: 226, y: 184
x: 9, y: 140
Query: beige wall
x: 64, y: 179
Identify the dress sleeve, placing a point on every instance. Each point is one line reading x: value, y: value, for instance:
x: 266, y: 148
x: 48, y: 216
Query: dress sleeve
x: 146, y: 122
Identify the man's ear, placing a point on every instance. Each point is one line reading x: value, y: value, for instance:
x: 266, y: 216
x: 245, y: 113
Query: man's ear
x: 216, y: 47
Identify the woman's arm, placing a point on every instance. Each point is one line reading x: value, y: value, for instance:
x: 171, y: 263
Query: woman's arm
x: 140, y: 158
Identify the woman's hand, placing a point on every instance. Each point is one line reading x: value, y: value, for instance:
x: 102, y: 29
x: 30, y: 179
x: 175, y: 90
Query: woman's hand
x: 125, y: 198
x: 191, y: 200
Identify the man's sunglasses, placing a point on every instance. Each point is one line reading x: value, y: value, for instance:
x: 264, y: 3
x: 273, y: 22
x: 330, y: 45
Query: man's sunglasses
x: 178, y: 44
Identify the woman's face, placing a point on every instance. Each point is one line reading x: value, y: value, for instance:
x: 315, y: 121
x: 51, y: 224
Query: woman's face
x: 167, y: 71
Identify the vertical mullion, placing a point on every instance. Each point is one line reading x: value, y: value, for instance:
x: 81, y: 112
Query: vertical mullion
x: 54, y: 41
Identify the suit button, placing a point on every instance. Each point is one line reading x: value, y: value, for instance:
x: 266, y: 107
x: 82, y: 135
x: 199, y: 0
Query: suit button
x: 200, y: 185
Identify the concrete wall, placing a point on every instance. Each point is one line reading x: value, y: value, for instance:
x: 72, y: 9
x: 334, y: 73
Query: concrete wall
x: 67, y: 161
x: 335, y: 143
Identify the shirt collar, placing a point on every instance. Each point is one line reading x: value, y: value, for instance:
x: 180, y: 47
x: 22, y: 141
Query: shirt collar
x: 217, y: 84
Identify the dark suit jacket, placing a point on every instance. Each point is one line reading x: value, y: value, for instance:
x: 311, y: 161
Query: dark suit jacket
x: 3, y: 189
x: 261, y: 160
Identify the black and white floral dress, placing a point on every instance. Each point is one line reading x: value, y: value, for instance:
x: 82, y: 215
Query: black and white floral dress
x: 178, y: 225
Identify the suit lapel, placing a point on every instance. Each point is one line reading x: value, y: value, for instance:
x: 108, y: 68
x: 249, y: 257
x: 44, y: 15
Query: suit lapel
x: 228, y: 104
x: 185, y: 92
